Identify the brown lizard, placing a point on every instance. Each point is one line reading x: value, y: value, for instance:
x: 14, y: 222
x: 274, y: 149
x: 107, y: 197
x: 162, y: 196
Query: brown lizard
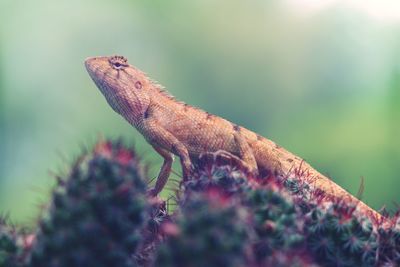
x: 173, y: 127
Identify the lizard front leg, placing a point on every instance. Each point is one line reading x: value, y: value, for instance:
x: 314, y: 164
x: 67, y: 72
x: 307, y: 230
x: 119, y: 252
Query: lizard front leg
x: 159, y: 137
x: 165, y: 170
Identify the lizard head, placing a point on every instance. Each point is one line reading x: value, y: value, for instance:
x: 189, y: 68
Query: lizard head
x: 124, y: 86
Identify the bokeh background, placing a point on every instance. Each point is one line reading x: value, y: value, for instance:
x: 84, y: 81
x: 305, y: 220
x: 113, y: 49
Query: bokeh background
x: 321, y: 78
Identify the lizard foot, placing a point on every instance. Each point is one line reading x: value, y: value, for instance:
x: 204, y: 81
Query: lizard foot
x: 187, y: 170
x: 274, y: 167
x: 225, y: 157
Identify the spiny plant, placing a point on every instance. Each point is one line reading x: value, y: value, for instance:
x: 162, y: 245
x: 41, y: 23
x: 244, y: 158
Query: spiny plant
x: 97, y: 213
x: 14, y: 244
x: 275, y: 222
x: 287, y: 216
x: 100, y: 215
x: 267, y: 222
x: 9, y: 248
x: 151, y: 233
x: 271, y: 214
x: 205, y: 233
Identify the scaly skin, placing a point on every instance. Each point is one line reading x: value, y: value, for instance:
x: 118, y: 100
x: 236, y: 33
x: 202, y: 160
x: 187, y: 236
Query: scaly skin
x: 173, y: 127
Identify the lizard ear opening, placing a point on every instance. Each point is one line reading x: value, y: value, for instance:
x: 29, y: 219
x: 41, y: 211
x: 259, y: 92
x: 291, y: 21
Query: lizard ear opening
x: 138, y: 85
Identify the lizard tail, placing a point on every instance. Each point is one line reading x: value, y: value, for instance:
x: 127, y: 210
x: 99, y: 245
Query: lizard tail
x: 274, y: 158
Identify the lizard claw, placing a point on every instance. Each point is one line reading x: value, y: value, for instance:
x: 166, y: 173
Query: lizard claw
x: 187, y: 170
x: 152, y: 192
x: 186, y: 173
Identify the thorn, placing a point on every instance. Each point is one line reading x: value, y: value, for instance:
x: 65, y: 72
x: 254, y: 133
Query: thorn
x: 152, y: 180
x: 361, y: 189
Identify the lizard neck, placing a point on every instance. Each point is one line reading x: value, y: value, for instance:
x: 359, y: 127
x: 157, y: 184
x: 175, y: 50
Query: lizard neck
x: 131, y: 109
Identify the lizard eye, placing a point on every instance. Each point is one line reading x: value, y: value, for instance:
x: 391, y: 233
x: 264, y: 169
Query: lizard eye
x: 118, y: 65
x: 118, y: 62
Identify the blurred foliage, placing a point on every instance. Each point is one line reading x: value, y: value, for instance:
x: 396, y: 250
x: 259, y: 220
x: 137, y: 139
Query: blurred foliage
x: 322, y: 83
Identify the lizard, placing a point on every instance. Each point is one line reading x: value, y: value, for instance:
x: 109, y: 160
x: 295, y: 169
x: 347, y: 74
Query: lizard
x: 173, y: 128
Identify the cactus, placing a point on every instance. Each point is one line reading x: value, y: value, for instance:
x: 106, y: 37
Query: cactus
x: 97, y: 213
x: 14, y: 244
x: 8, y: 245
x: 100, y: 215
x: 205, y: 233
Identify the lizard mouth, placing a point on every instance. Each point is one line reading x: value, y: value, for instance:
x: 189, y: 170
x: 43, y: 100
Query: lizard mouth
x: 94, y: 66
x: 90, y: 64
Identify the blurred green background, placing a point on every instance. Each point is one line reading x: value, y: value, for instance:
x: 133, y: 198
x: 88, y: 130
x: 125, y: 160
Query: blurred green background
x: 321, y: 78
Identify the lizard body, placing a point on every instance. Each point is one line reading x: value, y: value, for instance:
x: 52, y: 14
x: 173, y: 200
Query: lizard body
x: 175, y: 128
